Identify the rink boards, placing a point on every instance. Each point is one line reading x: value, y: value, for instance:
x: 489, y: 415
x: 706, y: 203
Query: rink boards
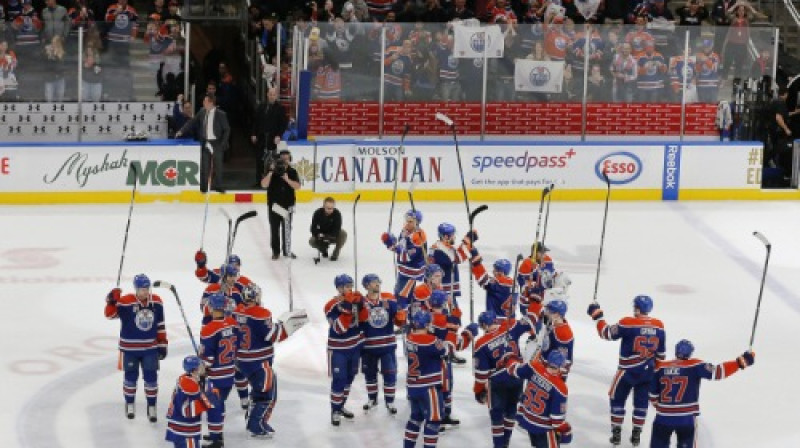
x: 167, y: 170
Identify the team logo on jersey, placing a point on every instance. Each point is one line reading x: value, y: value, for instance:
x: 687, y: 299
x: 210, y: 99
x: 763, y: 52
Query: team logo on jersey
x: 539, y: 76
x: 560, y: 43
x: 342, y: 44
x: 621, y: 167
x: 121, y: 21
x: 397, y: 67
x: 378, y: 317
x: 452, y: 61
x: 144, y: 319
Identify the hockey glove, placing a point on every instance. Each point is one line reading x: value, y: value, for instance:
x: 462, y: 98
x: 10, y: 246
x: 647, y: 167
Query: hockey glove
x: 471, y: 236
x: 293, y: 320
x: 200, y: 259
x: 480, y: 397
x: 594, y: 311
x: 388, y: 240
x: 472, y: 328
x: 747, y: 359
x: 113, y: 297
x: 162, y: 353
x: 564, y: 434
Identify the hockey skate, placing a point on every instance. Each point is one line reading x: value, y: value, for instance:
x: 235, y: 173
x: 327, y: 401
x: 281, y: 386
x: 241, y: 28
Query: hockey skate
x: 450, y: 421
x: 370, y: 404
x: 216, y: 443
x: 336, y: 418
x: 267, y: 434
x: 130, y: 410
x: 347, y: 414
x: 151, y: 414
x: 391, y: 408
x: 616, y: 435
x: 636, y: 436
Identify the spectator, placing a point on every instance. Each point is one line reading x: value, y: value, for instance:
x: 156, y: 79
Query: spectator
x: 398, y: 68
x: 556, y: 40
x: 157, y: 7
x: 26, y: 28
x: 55, y: 69
x: 502, y: 12
x: 340, y: 42
x: 254, y: 22
x: 168, y: 86
x: 406, y: 11
x: 433, y: 12
x: 56, y: 21
x: 662, y: 27
x: 536, y: 53
x: 326, y: 229
x: 624, y: 69
x: 81, y: 17
x: 693, y: 14
x: 327, y: 15
x: 328, y: 79
x: 678, y: 69
x: 122, y: 21
x: 738, y: 37
x: 227, y: 92
x: 281, y: 182
x: 707, y: 72
x: 614, y: 11
x: 268, y: 40
x: 762, y: 66
x: 639, y: 36
x: 449, y: 86
x: 424, y: 73
x: 92, y: 74
x: 650, y: 79
x: 597, y: 87
x: 8, y: 77
x: 780, y: 133
x: 459, y: 11
x: 182, y: 112
x: 13, y: 9
x: 269, y: 124
x: 172, y: 13
x: 210, y: 126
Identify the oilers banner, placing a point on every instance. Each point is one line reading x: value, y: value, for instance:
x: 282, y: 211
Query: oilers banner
x: 470, y: 42
x: 538, y: 76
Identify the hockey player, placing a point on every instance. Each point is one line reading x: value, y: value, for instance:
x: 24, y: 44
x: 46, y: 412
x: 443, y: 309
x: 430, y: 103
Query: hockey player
x: 227, y: 286
x: 214, y: 276
x: 433, y: 282
x: 544, y: 402
x: 498, y: 286
x: 218, y: 340
x: 532, y: 274
x: 344, y: 344
x: 642, y: 343
x: 494, y: 387
x: 675, y: 393
x: 411, y: 247
x: 142, y: 340
x: 255, y: 354
x: 446, y: 255
x: 558, y: 336
x: 184, y: 417
x: 377, y: 319
x: 445, y: 327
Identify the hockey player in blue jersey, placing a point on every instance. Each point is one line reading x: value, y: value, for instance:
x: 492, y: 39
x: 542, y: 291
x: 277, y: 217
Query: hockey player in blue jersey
x: 142, y: 340
x: 543, y: 406
x: 377, y: 319
x: 424, y: 352
x: 218, y: 342
x: 345, y: 339
x: 675, y: 393
x: 189, y: 402
x: 227, y: 286
x: 558, y: 336
x: 494, y: 386
x: 498, y: 285
x: 411, y: 247
x: 445, y: 254
x: 642, y: 343
x: 212, y: 276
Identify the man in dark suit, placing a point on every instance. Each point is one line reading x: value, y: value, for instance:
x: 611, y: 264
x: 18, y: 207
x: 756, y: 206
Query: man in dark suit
x: 210, y: 126
x: 269, y: 125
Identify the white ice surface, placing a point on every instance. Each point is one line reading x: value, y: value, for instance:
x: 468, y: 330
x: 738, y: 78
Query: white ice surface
x: 60, y: 388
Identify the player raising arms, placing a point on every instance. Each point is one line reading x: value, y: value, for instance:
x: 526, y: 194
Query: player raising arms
x: 410, y: 248
x: 531, y: 270
x: 675, y: 393
x: 227, y: 286
x: 142, y: 340
x: 642, y: 343
x: 498, y: 286
x: 377, y: 319
x: 184, y: 417
x: 214, y: 276
x: 345, y: 339
x: 433, y: 282
x: 558, y: 336
x: 446, y: 255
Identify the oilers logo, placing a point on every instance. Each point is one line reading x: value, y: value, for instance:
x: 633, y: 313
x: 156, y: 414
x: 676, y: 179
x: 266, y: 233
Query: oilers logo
x: 539, y: 76
x: 652, y: 68
x: 342, y: 44
x: 560, y: 43
x: 121, y: 21
x: 398, y: 67
x: 452, y: 62
x: 378, y: 317
x: 478, y: 41
x: 144, y: 319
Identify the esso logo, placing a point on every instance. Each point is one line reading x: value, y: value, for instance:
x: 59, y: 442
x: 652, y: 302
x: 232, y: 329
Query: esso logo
x: 621, y: 167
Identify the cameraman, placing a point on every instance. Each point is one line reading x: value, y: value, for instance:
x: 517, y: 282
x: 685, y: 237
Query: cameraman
x: 326, y: 229
x: 281, y: 181
x: 269, y: 125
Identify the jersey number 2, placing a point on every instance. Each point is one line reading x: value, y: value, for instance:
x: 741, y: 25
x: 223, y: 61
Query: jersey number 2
x: 667, y: 382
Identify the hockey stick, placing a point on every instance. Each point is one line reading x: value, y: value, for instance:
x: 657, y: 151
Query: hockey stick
x: 602, y: 236
x: 396, y: 169
x: 514, y: 288
x: 766, y: 243
x: 355, y: 238
x: 127, y: 225
x: 230, y: 231
x: 242, y: 217
x: 171, y: 287
x: 482, y: 208
x: 547, y: 213
x: 205, y: 214
x: 286, y: 215
x: 414, y: 208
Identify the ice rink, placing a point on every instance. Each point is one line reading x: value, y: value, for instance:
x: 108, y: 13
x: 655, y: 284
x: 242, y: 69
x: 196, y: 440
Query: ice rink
x: 60, y: 388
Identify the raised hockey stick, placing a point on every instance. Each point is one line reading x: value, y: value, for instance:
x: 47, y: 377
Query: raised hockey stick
x: 547, y: 213
x: 355, y: 238
x: 396, y: 169
x: 766, y: 243
x: 514, y: 288
x: 128, y: 224
x: 414, y: 208
x: 602, y: 237
x: 208, y: 190
x: 171, y: 287
x: 482, y: 208
x: 286, y: 215
x: 242, y: 217
x: 230, y: 232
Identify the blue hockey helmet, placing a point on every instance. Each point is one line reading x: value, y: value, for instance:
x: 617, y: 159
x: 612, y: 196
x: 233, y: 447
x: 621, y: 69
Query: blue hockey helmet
x: 191, y: 363
x: 432, y: 269
x: 487, y: 318
x: 252, y: 293
x: 557, y: 306
x: 342, y: 280
x: 416, y: 215
x: 684, y: 349
x: 643, y: 303
x: 229, y: 270
x: 438, y: 298
x: 141, y: 281
x: 217, y: 301
x: 502, y: 265
x: 420, y: 319
x: 446, y: 229
x: 556, y: 359
x: 368, y: 279
x: 234, y: 260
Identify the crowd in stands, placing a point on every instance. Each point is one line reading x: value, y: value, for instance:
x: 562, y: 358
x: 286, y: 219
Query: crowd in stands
x: 40, y: 51
x: 637, y: 55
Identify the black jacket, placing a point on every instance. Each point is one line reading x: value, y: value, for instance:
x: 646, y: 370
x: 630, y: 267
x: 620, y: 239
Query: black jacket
x: 328, y: 225
x: 278, y: 191
x: 269, y: 121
